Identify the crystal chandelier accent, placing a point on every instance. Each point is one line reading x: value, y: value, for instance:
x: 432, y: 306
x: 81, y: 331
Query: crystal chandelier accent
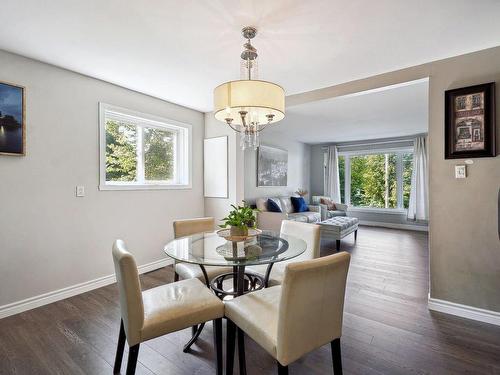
x: 249, y: 104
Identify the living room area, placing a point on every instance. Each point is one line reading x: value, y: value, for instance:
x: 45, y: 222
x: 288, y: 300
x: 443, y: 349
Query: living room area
x: 362, y: 161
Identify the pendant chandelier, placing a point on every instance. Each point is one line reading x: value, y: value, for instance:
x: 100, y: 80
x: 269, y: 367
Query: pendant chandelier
x: 249, y: 104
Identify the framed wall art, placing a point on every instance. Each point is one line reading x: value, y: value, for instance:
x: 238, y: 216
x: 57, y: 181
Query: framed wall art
x: 272, y: 166
x: 12, y: 120
x: 470, y: 127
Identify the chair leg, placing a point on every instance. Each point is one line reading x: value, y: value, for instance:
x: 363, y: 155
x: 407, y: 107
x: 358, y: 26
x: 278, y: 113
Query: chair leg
x: 338, y: 245
x: 119, y: 350
x: 133, y: 353
x: 193, y: 339
x: 282, y: 370
x: 231, y: 330
x: 241, y: 352
x: 176, y: 276
x: 336, y: 357
x: 355, y: 235
x: 218, y: 344
x: 193, y: 330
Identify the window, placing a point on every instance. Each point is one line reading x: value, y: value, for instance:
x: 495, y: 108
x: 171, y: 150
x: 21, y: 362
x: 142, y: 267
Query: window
x: 377, y: 179
x: 140, y: 151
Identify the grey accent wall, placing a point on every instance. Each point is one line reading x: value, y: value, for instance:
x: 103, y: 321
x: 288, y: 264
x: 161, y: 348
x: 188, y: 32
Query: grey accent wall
x: 50, y: 239
x: 298, y: 168
x: 464, y: 243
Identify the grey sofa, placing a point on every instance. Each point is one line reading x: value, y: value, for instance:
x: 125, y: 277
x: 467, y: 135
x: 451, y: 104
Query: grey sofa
x: 272, y: 220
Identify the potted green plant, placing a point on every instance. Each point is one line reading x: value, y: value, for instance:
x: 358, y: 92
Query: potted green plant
x: 239, y: 220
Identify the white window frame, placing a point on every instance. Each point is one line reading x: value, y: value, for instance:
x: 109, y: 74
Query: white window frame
x: 182, y: 158
x: 399, y: 151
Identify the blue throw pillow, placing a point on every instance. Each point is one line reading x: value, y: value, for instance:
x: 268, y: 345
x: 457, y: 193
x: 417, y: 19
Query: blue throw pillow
x: 272, y: 206
x: 299, y: 204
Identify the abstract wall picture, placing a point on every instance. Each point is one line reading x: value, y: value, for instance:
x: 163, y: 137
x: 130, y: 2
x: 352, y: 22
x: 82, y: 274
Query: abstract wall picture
x: 470, y: 122
x: 272, y: 167
x: 12, y: 120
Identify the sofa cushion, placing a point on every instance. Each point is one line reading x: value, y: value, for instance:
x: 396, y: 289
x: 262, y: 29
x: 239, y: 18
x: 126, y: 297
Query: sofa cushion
x: 298, y: 217
x: 299, y: 204
x: 305, y: 217
x: 261, y: 204
x: 274, y: 205
x: 286, y: 205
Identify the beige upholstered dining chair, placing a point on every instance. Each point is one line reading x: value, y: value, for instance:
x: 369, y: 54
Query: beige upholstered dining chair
x: 193, y: 271
x: 290, y: 320
x: 310, y: 233
x: 161, y: 310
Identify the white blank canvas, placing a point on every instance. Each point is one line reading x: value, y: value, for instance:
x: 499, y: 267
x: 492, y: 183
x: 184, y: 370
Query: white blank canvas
x: 215, y: 167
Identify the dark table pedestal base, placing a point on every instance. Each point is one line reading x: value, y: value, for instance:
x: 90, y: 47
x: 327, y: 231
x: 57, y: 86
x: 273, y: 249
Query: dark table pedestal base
x: 243, y: 282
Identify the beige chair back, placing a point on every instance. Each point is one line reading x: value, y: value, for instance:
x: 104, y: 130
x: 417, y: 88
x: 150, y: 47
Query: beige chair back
x: 311, y: 305
x: 129, y: 287
x: 310, y: 233
x: 191, y: 226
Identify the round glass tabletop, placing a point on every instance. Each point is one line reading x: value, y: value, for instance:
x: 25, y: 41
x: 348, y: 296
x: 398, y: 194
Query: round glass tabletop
x: 210, y: 249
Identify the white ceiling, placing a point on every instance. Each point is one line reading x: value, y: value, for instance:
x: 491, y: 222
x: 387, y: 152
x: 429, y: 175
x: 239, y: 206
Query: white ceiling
x: 390, y: 112
x: 179, y: 50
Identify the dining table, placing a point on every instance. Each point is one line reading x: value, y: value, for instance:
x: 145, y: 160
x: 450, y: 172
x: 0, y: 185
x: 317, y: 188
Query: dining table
x: 210, y: 249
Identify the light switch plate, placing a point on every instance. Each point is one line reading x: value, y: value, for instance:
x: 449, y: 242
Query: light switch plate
x: 460, y: 171
x: 80, y: 191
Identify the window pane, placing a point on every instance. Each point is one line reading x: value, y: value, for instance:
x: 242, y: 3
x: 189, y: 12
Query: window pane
x: 373, y: 181
x: 121, y: 156
x: 158, y: 154
x: 407, y: 172
x: 342, y: 178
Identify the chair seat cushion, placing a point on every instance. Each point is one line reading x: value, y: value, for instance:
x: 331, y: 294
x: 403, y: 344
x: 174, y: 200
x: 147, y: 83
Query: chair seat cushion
x: 172, y: 307
x: 193, y: 271
x: 277, y: 272
x: 257, y: 315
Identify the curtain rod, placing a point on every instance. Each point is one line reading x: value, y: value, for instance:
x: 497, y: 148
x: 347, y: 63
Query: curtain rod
x: 375, y: 141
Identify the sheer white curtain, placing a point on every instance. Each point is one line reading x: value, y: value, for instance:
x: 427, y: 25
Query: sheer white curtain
x: 418, y: 208
x: 332, y: 185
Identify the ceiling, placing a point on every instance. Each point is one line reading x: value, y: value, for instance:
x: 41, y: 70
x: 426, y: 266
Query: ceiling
x: 395, y: 111
x: 179, y: 50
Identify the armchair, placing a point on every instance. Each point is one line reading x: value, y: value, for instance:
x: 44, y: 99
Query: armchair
x: 340, y: 208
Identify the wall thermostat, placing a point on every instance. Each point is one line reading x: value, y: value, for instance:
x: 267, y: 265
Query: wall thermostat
x: 460, y: 171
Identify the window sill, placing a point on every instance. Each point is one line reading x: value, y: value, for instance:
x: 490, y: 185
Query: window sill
x: 145, y: 187
x: 391, y: 211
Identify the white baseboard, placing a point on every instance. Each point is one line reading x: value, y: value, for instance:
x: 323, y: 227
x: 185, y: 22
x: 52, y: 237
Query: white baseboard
x: 464, y: 311
x: 420, y: 228
x: 70, y: 291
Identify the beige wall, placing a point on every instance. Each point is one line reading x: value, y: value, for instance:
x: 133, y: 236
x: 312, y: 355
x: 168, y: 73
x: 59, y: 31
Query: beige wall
x: 464, y: 243
x: 49, y: 239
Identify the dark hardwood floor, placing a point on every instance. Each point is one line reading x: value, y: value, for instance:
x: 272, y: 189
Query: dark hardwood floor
x: 387, y: 327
